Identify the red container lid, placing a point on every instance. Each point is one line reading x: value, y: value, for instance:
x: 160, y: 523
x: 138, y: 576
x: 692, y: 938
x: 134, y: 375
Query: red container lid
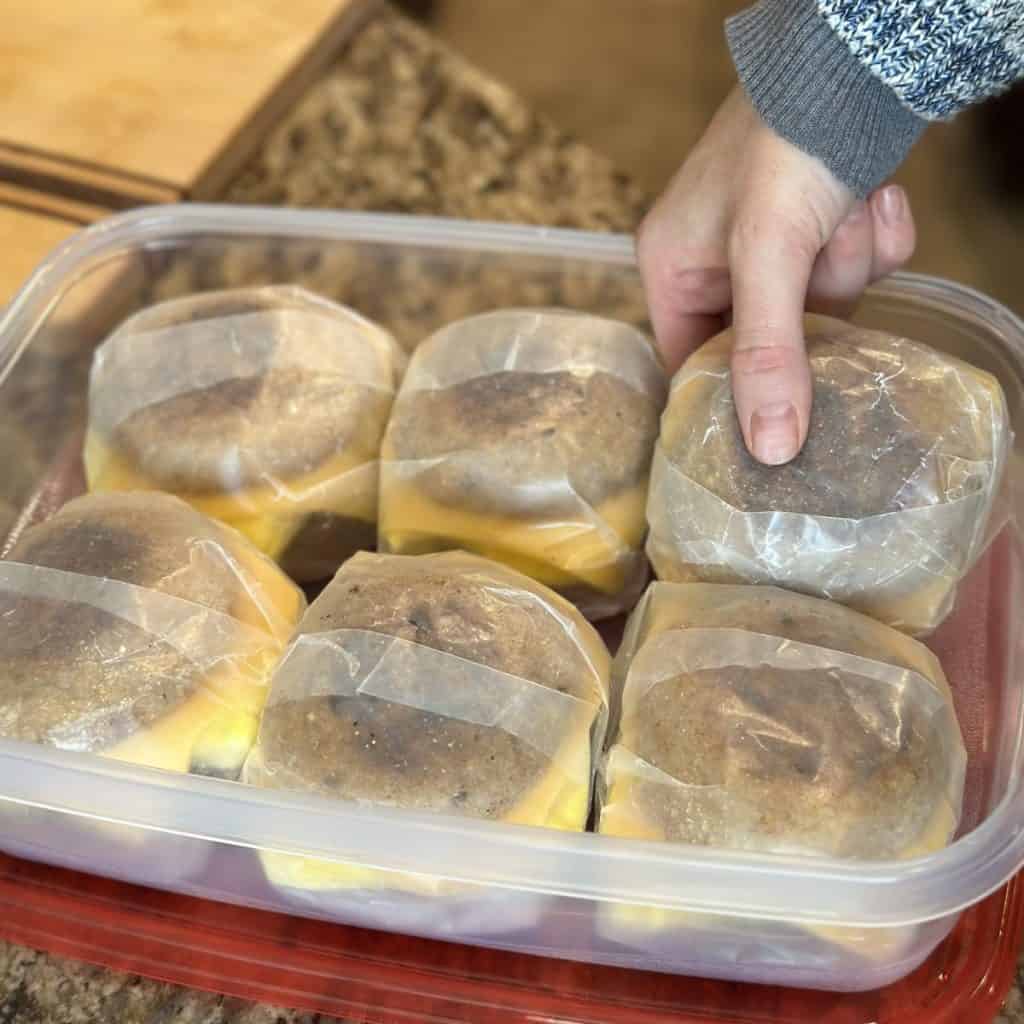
x: 379, y: 978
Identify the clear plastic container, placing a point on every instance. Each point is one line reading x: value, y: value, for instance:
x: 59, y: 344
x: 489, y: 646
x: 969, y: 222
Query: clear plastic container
x: 382, y: 978
x: 521, y: 889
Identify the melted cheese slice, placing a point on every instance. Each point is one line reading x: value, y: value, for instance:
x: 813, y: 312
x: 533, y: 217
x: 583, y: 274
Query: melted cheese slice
x: 621, y: 817
x: 270, y: 515
x: 213, y: 730
x: 561, y: 799
x: 560, y: 554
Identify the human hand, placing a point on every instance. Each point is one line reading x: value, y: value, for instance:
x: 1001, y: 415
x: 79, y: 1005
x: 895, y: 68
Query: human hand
x: 752, y: 231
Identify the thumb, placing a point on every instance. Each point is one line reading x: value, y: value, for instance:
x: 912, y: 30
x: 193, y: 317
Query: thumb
x: 771, y: 267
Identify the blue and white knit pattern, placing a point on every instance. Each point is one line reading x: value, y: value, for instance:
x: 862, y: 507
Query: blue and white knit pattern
x: 938, y: 56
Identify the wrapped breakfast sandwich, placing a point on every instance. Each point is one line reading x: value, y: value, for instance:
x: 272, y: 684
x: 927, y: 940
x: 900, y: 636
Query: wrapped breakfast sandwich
x: 440, y: 683
x: 885, y: 509
x: 526, y: 436
x: 133, y: 627
x: 759, y: 720
x: 263, y: 408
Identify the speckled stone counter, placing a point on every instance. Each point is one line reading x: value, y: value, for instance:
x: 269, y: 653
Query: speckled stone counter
x: 398, y: 124
x: 402, y: 124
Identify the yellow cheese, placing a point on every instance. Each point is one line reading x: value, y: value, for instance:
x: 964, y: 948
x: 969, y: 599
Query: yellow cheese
x: 270, y: 515
x: 558, y: 554
x: 271, y: 603
x: 622, y: 818
x: 217, y: 711
x: 214, y: 729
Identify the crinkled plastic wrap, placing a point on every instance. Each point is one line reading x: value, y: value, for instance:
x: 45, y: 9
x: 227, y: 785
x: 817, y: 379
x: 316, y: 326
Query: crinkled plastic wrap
x: 263, y: 408
x: 133, y: 627
x: 886, y: 507
x: 756, y: 719
x: 526, y: 436
x: 437, y: 683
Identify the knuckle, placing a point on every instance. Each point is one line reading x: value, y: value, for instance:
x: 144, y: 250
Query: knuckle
x: 655, y: 252
x: 654, y: 236
x: 694, y: 288
x: 764, y: 357
x: 678, y: 277
x: 777, y: 237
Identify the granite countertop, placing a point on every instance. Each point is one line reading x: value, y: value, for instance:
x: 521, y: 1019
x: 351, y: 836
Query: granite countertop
x: 398, y: 124
x: 402, y: 124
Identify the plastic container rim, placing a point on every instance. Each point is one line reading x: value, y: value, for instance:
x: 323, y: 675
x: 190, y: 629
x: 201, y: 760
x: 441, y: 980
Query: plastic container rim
x: 533, y: 860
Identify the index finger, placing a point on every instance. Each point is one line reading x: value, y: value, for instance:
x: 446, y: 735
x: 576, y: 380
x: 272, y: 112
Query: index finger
x: 771, y: 380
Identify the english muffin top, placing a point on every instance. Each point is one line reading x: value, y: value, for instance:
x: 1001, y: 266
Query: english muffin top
x: 82, y: 677
x: 229, y: 390
x: 362, y: 747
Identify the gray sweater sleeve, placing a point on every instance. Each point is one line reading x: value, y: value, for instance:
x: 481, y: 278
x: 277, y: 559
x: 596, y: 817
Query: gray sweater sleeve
x: 854, y: 82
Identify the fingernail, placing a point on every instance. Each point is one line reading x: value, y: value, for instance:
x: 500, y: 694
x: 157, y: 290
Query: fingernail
x: 775, y: 433
x: 892, y: 205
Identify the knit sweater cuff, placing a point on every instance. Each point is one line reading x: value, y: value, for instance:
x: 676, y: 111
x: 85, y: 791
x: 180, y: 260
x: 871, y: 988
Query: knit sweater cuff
x: 809, y: 88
